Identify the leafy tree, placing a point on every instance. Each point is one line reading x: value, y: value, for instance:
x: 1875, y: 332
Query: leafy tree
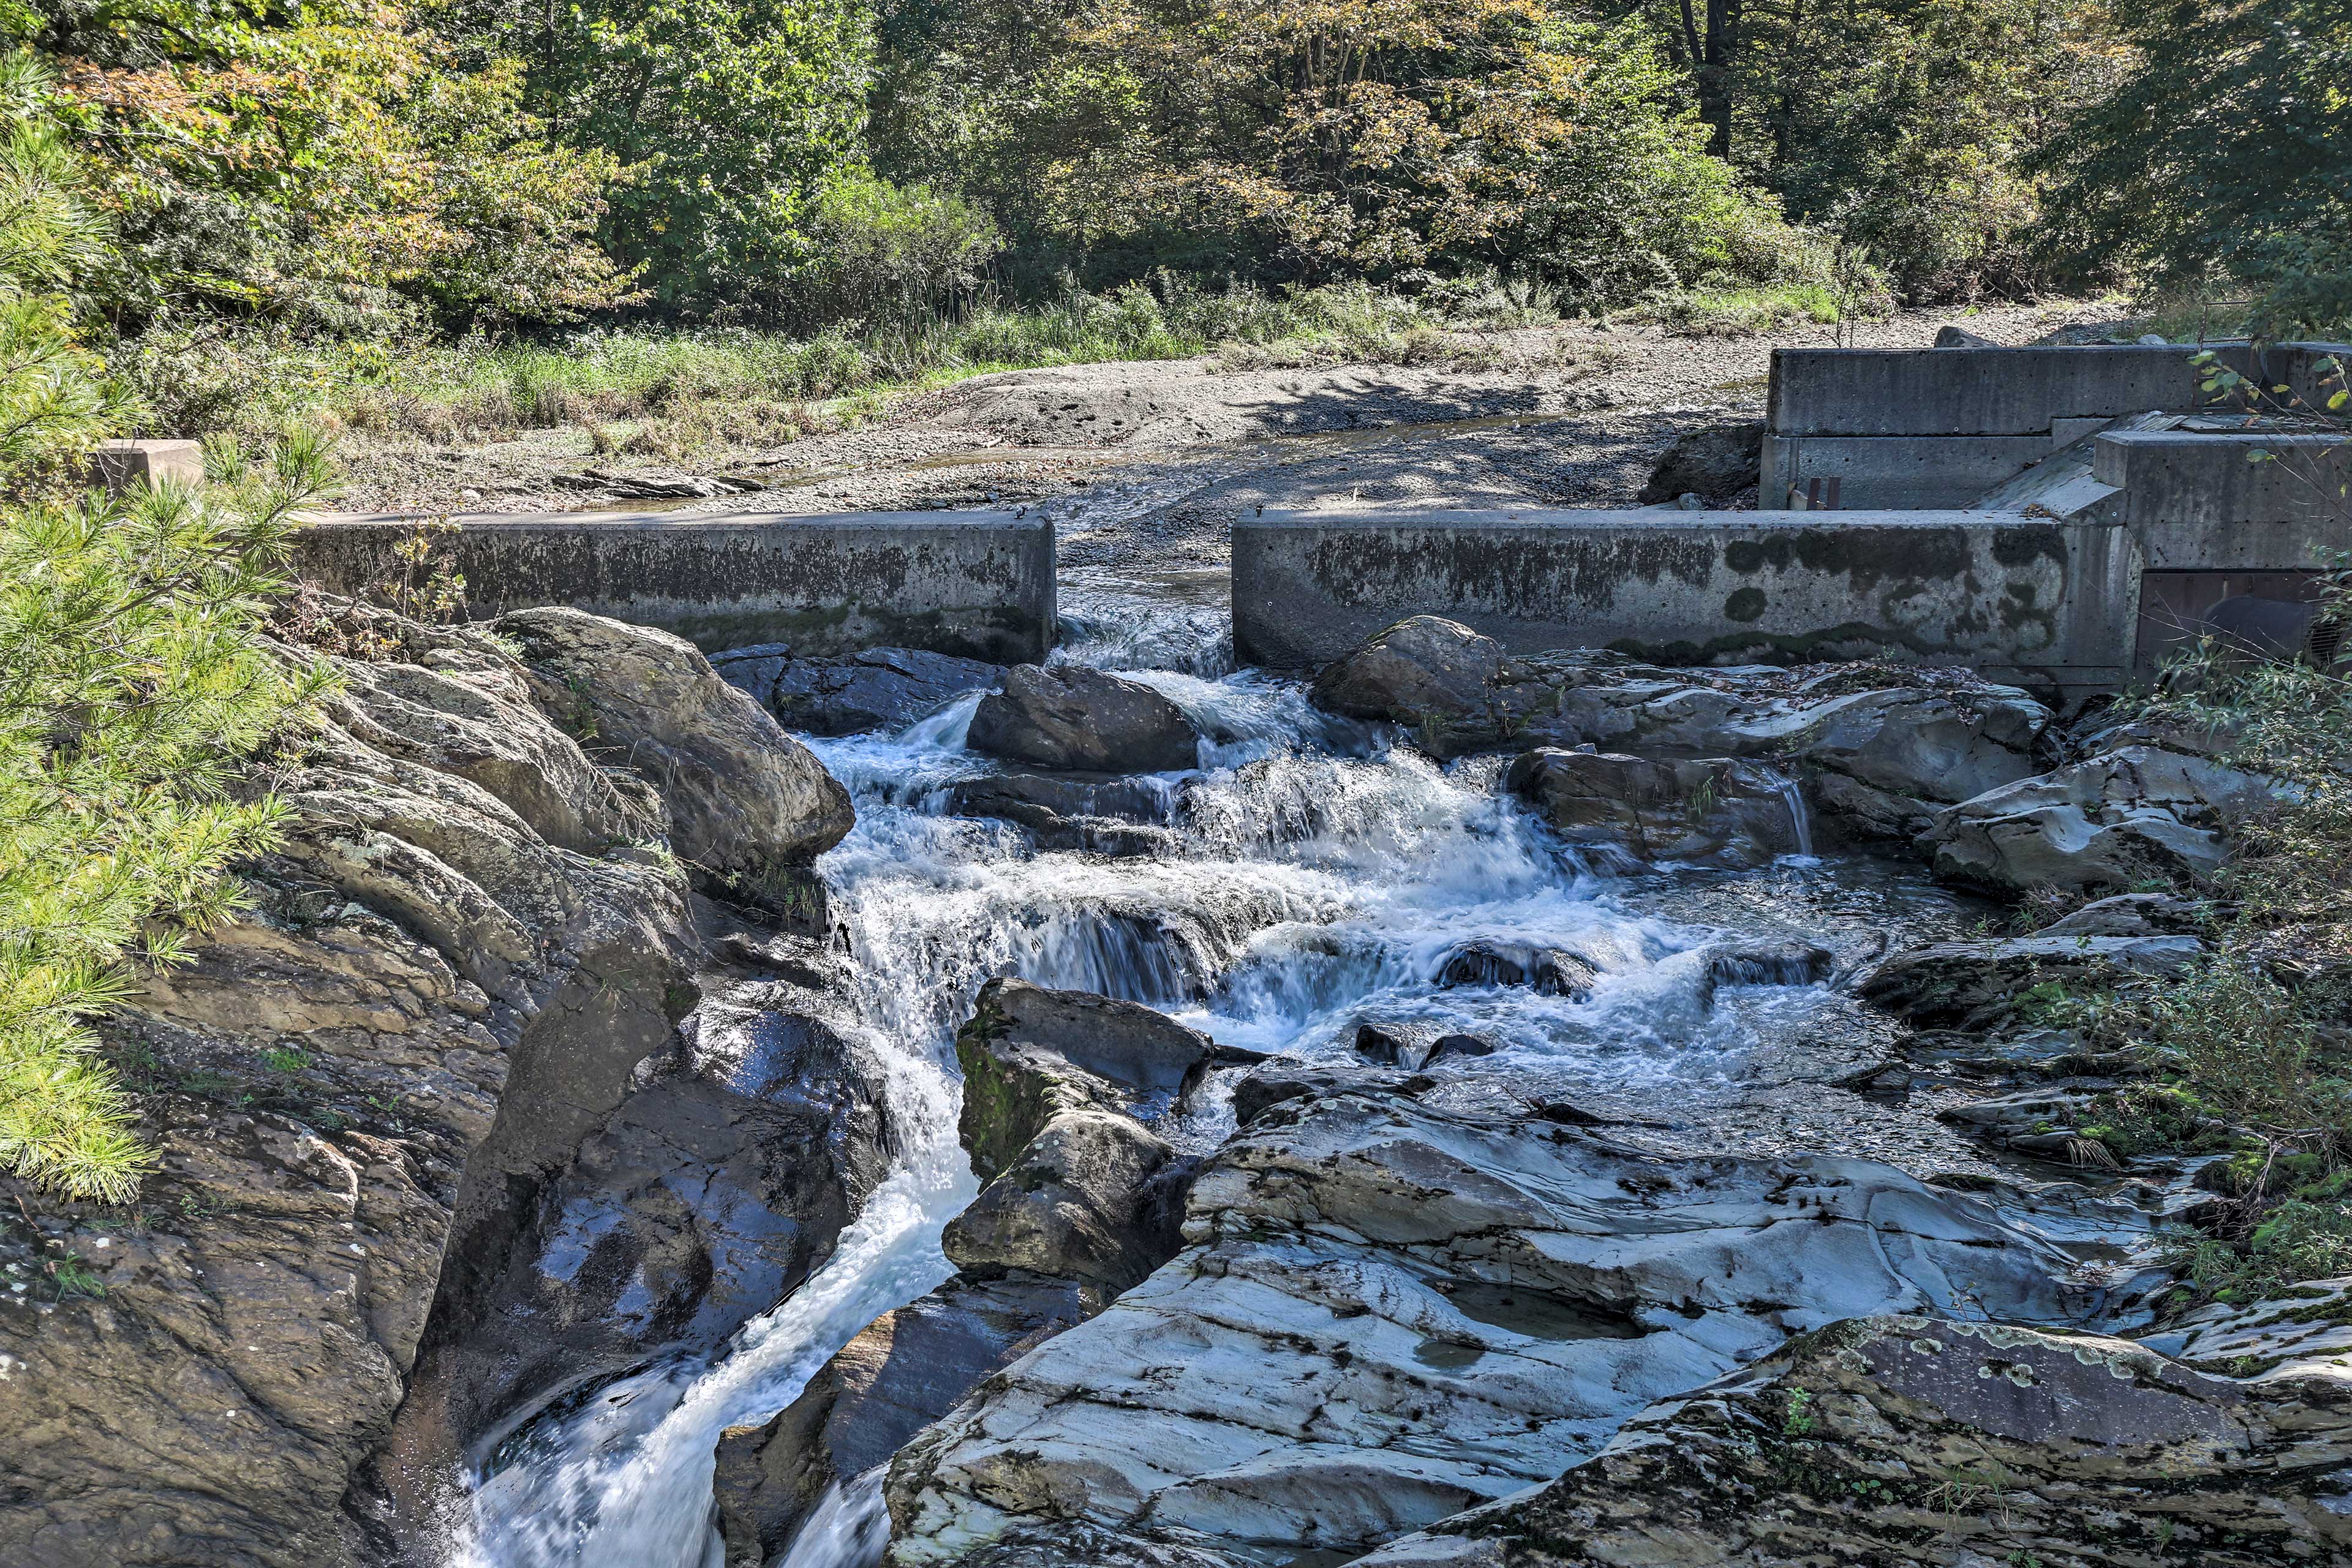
x: 131, y: 682
x: 1903, y: 125
x: 2224, y: 157
x: 1350, y: 138
x: 732, y: 114
x: 54, y: 401
x: 323, y: 166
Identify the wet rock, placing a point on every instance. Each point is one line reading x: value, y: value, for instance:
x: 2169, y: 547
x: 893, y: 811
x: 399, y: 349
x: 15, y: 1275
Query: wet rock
x: 1413, y: 1046
x: 1423, y: 668
x: 1712, y: 811
x: 328, y: 1086
x: 1917, y: 1440
x: 744, y: 801
x: 708, y: 1195
x: 1881, y: 748
x: 1968, y: 985
x: 1551, y: 971
x: 1386, y: 1314
x: 1030, y: 1054
x: 1076, y: 1204
x: 1106, y: 816
x: 2111, y: 821
x: 1788, y: 962
x: 1950, y: 336
x: 1071, y: 718
x: 905, y: 1371
x: 1281, y: 1082
x: 2038, y: 1121
x: 874, y: 689
x: 1085, y: 1203
x: 1717, y: 463
x: 2130, y: 914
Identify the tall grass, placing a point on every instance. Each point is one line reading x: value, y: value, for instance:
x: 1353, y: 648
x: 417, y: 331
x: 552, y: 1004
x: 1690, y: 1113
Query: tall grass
x: 256, y: 383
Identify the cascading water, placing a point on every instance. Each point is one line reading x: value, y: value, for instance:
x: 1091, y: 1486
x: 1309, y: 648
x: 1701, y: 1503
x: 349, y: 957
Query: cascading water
x: 1317, y: 879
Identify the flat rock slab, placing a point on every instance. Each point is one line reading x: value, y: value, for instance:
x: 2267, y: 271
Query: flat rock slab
x: 1386, y: 1313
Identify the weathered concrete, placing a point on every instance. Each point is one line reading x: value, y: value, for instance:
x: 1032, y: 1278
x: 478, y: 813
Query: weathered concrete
x: 2002, y: 391
x: 1897, y: 472
x: 118, y: 465
x: 2022, y: 599
x: 2213, y: 503
x: 1935, y: 427
x: 975, y: 584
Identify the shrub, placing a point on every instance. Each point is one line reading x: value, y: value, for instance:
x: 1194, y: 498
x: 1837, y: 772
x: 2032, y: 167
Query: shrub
x: 131, y: 684
x: 887, y: 254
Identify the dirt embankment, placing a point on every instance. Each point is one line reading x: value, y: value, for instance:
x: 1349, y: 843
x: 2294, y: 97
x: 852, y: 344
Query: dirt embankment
x: 1159, y: 456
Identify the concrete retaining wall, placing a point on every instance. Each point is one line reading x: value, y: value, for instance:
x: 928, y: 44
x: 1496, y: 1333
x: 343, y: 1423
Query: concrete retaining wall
x: 2038, y: 602
x: 1896, y: 473
x: 1938, y: 427
x: 2207, y: 503
x: 976, y: 585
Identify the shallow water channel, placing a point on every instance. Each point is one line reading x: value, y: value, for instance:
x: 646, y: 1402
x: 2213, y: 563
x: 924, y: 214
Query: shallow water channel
x: 1315, y: 876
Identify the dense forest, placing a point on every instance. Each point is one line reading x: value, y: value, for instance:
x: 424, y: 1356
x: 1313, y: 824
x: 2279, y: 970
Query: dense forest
x: 277, y: 178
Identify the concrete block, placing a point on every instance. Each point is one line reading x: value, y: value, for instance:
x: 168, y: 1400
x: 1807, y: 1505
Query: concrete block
x: 1991, y: 390
x: 2066, y: 432
x: 118, y: 465
x: 2038, y: 601
x: 1898, y: 473
x: 975, y: 584
x: 2199, y: 502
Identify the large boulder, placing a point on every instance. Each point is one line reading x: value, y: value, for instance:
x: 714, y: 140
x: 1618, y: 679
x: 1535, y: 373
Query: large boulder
x: 1074, y: 718
x: 1879, y: 749
x: 1423, y: 668
x: 335, y: 1090
x: 2111, y: 821
x: 705, y: 1198
x: 1387, y: 1312
x: 1716, y: 463
x: 905, y: 1371
x: 1971, y: 984
x: 1710, y: 812
x: 1113, y: 815
x: 1083, y: 1201
x: 874, y: 689
x: 745, y: 803
x: 1030, y: 1054
x: 1921, y: 1441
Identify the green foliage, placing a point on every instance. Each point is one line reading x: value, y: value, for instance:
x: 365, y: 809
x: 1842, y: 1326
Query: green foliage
x: 2251, y: 1043
x: 1902, y: 124
x: 1280, y: 142
x: 2223, y: 159
x: 329, y: 167
x: 54, y: 403
x: 130, y: 684
x: 885, y: 254
x: 734, y: 114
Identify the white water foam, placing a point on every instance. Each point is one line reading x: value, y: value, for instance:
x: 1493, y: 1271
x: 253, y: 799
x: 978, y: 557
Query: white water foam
x: 1319, y: 879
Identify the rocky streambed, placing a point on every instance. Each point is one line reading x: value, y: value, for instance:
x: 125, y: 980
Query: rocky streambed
x: 1463, y: 1110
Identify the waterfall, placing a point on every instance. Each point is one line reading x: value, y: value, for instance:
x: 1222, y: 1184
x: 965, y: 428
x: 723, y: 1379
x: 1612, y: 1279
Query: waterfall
x: 1318, y: 880
x: 848, y: 1528
x: 1801, y: 821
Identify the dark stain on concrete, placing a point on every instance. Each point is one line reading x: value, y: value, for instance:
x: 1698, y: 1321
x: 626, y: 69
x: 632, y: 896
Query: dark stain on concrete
x: 2024, y: 547
x: 1744, y: 604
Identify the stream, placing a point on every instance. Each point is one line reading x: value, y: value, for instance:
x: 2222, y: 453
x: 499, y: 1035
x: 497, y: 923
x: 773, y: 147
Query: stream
x: 1317, y: 876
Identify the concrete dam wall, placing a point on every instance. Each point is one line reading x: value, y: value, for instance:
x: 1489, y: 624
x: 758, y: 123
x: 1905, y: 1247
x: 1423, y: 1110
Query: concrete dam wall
x: 2060, y: 517
x: 2026, y: 599
x: 975, y: 584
